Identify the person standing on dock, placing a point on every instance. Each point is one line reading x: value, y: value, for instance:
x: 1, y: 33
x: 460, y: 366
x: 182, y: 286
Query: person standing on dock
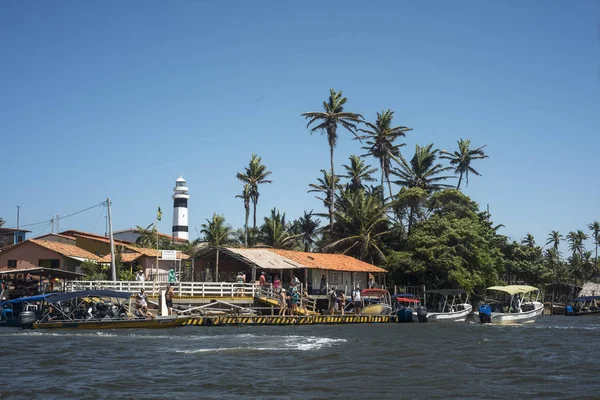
x: 332, y: 300
x: 169, y: 298
x: 140, y: 276
x: 276, y: 284
x: 357, y: 300
x: 342, y: 302
x: 262, y: 281
x: 282, y: 302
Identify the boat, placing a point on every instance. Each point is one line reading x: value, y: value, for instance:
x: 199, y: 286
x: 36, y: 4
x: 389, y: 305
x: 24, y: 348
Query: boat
x: 449, y: 305
x: 514, y: 304
x: 91, y: 309
x: 584, y: 305
x: 403, y: 307
x: 376, y: 302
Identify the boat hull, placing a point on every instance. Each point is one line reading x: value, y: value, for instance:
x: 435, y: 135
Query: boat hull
x: 377, y: 309
x: 156, y: 323
x: 455, y: 316
x: 514, y: 318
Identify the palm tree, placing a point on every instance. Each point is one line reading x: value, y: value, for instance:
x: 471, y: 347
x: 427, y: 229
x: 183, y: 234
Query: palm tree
x: 358, y: 172
x: 462, y: 158
x: 308, y: 228
x: 380, y: 138
x: 147, y: 236
x: 324, y: 185
x: 216, y: 233
x: 361, y: 225
x: 275, y: 232
x: 333, y: 114
x: 246, y: 196
x: 595, y: 228
x: 422, y: 171
x: 254, y: 175
x: 554, y: 238
x: 528, y: 240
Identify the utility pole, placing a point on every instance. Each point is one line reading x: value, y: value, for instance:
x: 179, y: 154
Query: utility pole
x: 52, y: 221
x: 106, y: 226
x: 113, y: 269
x: 18, y: 212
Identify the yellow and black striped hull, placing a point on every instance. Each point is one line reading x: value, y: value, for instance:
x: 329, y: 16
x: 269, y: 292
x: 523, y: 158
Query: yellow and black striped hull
x: 114, y: 324
x: 288, y: 320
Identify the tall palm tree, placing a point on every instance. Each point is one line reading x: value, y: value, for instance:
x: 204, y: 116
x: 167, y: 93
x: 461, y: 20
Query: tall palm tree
x: 576, y: 242
x: 246, y: 196
x: 308, y: 228
x: 324, y: 185
x: 327, y: 121
x: 357, y: 172
x: 255, y: 174
x: 462, y: 158
x: 528, y: 240
x: 275, y: 232
x: 554, y: 238
x: 380, y: 138
x: 147, y: 238
x: 361, y: 226
x: 217, y: 234
x: 422, y: 171
x: 595, y: 228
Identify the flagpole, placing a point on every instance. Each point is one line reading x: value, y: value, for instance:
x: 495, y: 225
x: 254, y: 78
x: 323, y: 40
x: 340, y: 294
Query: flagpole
x: 156, y: 274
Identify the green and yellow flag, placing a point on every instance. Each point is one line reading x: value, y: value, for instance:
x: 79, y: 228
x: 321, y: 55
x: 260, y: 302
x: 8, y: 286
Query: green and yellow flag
x: 159, y: 214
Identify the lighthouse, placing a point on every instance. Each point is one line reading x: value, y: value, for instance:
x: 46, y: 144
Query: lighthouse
x: 180, y: 209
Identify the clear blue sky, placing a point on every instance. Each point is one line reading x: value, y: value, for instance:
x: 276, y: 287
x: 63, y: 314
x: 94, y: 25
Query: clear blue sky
x: 118, y: 98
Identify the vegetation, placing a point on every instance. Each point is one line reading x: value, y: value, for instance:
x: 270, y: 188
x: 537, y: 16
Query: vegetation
x: 217, y: 234
x: 94, y: 271
x: 2, y: 222
x: 413, y: 221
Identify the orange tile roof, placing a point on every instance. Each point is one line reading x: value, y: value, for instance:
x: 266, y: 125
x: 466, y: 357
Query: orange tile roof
x: 152, y: 253
x: 125, y: 257
x: 332, y: 262
x: 144, y: 251
x: 68, y: 250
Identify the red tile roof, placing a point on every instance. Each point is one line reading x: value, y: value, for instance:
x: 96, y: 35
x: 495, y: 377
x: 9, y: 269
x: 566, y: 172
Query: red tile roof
x: 65, y: 249
x: 332, y: 262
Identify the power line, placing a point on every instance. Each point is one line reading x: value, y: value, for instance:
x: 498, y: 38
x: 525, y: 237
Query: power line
x: 66, y: 216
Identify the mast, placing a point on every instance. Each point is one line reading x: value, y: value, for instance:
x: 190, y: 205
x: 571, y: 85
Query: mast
x: 113, y: 269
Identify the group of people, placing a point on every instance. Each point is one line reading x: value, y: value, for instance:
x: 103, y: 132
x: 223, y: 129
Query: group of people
x: 292, y: 300
x: 338, y: 301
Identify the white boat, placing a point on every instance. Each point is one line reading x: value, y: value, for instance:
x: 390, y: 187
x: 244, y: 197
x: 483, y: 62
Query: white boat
x: 446, y: 305
x: 516, y: 304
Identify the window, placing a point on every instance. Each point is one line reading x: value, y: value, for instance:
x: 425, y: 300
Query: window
x: 12, y: 263
x: 50, y: 263
x: 335, y: 278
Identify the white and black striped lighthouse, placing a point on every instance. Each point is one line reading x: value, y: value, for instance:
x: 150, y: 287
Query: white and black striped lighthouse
x: 180, y: 209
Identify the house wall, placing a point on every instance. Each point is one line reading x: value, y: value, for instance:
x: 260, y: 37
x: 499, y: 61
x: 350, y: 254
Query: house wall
x: 340, y: 279
x: 28, y: 256
x: 58, y: 239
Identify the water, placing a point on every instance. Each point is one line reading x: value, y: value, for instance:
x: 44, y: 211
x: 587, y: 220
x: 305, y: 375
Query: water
x: 557, y: 357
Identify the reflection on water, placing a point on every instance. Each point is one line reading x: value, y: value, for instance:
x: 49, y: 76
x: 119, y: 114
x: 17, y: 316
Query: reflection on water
x: 556, y: 357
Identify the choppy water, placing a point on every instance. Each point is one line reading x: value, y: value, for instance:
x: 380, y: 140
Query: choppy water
x: 557, y: 357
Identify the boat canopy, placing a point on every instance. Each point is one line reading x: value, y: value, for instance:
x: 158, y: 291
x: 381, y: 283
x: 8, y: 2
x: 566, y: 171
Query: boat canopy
x: 405, y: 299
x: 31, y: 299
x: 514, y: 289
x: 374, y: 292
x: 88, y: 293
x: 410, y: 296
x: 587, y: 298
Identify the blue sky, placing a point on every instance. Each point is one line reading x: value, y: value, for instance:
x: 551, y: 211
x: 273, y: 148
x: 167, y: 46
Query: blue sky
x: 118, y: 98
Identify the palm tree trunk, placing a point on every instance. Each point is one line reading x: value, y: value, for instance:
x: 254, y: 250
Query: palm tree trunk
x: 382, y: 182
x: 246, y: 227
x: 217, y: 266
x: 459, y: 181
x: 387, y: 176
x: 254, y: 201
x: 332, y: 203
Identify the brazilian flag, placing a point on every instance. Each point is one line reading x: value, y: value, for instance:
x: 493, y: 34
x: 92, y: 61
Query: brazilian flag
x: 159, y: 214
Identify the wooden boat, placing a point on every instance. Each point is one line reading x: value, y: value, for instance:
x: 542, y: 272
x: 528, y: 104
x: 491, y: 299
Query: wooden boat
x: 376, y: 302
x: 91, y: 309
x: 515, y: 304
x: 447, y: 305
x: 11, y: 309
x: 584, y: 305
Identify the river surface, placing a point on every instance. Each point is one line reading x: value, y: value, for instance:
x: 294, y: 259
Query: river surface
x: 556, y: 357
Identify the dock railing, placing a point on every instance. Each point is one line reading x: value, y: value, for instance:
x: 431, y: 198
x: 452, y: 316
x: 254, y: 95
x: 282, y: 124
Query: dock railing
x: 181, y: 289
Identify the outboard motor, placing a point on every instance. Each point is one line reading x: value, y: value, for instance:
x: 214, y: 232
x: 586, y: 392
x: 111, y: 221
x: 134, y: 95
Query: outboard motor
x: 26, y: 319
x: 405, y: 314
x: 485, y: 314
x: 569, y: 310
x: 422, y: 313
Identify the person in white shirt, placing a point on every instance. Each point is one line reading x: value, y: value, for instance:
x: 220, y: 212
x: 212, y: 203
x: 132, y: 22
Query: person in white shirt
x: 357, y: 301
x: 140, y: 276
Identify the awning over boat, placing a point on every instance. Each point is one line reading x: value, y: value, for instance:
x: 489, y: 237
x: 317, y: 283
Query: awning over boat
x: 405, y: 299
x: 31, y: 299
x: 88, y: 293
x: 448, y: 292
x: 514, y: 289
x: 587, y: 298
x: 42, y: 272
